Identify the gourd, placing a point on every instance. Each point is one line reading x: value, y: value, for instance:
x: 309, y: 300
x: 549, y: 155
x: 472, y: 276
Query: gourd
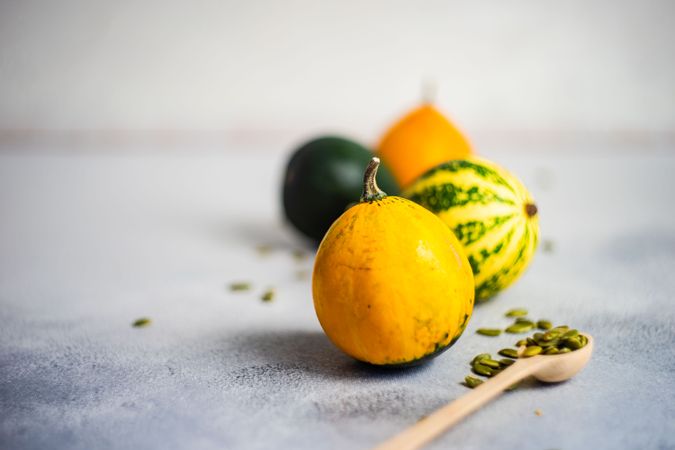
x: 421, y: 140
x: 491, y: 213
x: 322, y: 178
x: 391, y: 285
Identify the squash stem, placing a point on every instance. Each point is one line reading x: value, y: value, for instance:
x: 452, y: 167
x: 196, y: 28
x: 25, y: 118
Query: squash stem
x: 531, y: 209
x: 371, y: 191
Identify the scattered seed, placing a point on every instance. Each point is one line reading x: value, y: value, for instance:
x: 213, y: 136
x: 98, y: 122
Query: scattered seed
x: 532, y: 351
x: 537, y: 412
x: 489, y: 331
x: 264, y: 249
x: 544, y: 324
x: 521, y: 342
x: 518, y: 328
x: 472, y: 382
x: 480, y: 369
x: 302, y: 274
x: 547, y: 246
x: 480, y: 357
x: 509, y: 352
x: 268, y: 295
x: 491, y: 363
x: 516, y: 312
x: 524, y: 320
x: 240, y: 286
x: 142, y: 322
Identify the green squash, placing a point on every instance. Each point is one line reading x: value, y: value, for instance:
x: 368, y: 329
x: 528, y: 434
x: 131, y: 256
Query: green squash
x: 323, y: 177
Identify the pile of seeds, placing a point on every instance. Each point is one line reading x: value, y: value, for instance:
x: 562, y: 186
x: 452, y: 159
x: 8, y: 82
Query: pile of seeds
x: 549, y: 341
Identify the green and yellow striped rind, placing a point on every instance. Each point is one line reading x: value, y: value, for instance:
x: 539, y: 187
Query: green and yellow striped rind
x: 485, y: 206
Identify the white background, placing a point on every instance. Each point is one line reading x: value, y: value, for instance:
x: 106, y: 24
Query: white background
x: 296, y: 67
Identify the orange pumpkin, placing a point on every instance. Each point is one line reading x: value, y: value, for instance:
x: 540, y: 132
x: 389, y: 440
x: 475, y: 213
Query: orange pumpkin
x: 419, y: 141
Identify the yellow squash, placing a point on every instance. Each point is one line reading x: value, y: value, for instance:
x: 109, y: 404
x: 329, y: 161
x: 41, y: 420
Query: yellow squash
x: 391, y: 283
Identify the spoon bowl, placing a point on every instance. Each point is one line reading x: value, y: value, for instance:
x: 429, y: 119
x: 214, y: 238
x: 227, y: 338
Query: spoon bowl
x: 563, y: 367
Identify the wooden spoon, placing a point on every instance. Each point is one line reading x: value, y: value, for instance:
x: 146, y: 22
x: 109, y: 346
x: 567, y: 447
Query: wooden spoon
x: 547, y: 368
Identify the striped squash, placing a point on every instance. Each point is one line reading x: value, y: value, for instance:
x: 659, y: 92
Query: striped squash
x: 490, y: 212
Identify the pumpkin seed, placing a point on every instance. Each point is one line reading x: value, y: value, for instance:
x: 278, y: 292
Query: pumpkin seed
x: 564, y: 350
x: 521, y: 342
x: 480, y: 369
x: 472, y: 382
x: 532, y: 351
x: 480, y: 357
x: 551, y: 351
x: 301, y: 274
x: 489, y: 331
x: 550, y: 335
x: 240, y: 286
x: 509, y: 352
x: 572, y: 343
x: 264, y: 249
x: 544, y: 324
x: 491, y: 363
x: 570, y: 334
x: 512, y: 387
x: 518, y: 328
x: 524, y: 320
x: 268, y: 295
x: 516, y: 312
x: 547, y: 246
x: 505, y: 362
x: 142, y: 322
x: 548, y: 344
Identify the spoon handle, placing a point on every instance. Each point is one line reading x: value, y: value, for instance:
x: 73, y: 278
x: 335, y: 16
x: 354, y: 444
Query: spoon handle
x: 427, y: 429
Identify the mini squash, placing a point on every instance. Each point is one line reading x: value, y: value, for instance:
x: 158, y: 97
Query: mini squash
x: 491, y: 213
x: 419, y: 141
x: 391, y: 284
x: 322, y: 178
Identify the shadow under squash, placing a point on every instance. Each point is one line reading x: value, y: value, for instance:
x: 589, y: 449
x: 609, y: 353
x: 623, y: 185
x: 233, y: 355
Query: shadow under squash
x: 312, y: 353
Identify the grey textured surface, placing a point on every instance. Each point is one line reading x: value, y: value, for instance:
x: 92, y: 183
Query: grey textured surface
x: 90, y: 243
